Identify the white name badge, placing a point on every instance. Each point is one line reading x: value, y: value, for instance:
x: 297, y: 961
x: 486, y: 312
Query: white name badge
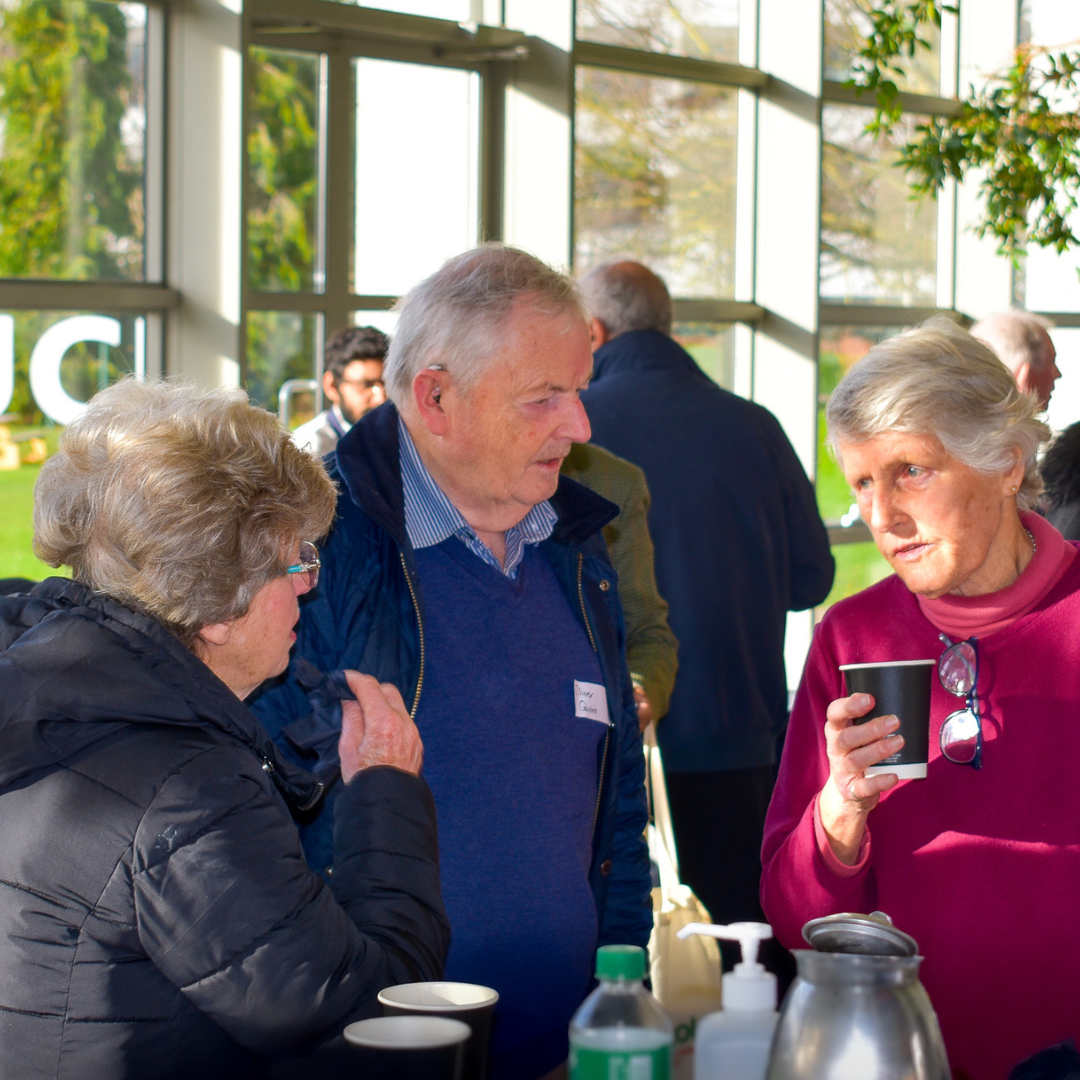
x: 590, y: 701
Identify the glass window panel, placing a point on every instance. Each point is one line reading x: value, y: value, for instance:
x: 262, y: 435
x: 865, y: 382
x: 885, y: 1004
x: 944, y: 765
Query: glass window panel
x: 840, y: 347
x: 283, y: 159
x: 1065, y: 401
x: 708, y: 29
x: 72, y: 139
x: 655, y: 166
x: 847, y: 25
x: 1049, y: 279
x: 858, y: 566
x: 712, y: 345
x: 1050, y: 23
x: 417, y: 204
x: 70, y: 364
x: 386, y: 321
x: 878, y: 245
x: 281, y: 345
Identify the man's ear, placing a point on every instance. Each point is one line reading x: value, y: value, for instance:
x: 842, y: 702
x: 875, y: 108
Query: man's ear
x: 330, y: 391
x: 598, y: 332
x: 429, y: 387
x: 1024, y: 376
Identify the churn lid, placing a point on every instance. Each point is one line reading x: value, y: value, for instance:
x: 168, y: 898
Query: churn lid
x: 871, y: 935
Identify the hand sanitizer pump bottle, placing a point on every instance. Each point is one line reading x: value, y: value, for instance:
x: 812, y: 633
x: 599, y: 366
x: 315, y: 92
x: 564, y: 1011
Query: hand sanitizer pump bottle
x: 734, y: 1043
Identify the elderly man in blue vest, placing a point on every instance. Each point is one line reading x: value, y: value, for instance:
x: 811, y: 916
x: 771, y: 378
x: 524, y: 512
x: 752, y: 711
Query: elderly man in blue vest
x: 463, y: 570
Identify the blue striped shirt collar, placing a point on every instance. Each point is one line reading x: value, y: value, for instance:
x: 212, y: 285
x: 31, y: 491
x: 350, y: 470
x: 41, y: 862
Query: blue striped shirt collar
x: 430, y: 517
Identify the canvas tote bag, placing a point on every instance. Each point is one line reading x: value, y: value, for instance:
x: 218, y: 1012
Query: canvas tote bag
x: 685, y: 974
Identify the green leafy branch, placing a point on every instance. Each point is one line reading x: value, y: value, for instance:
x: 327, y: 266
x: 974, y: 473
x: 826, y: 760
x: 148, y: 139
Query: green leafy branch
x: 896, y: 34
x: 1021, y: 129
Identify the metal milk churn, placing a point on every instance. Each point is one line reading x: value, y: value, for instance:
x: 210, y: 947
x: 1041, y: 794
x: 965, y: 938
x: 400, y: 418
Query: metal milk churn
x: 857, y: 1010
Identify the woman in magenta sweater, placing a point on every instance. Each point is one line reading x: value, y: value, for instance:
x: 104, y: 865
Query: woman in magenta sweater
x: 979, y: 861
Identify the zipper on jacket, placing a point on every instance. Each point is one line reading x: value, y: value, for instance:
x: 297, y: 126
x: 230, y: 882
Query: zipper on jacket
x: 607, y: 734
x: 581, y: 598
x: 420, y: 626
x: 600, y: 786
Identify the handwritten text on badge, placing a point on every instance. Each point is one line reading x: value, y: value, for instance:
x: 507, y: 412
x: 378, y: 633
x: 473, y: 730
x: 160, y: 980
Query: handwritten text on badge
x: 590, y: 701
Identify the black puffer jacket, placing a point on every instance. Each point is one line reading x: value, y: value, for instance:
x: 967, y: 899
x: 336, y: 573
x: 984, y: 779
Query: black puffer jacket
x: 157, y: 918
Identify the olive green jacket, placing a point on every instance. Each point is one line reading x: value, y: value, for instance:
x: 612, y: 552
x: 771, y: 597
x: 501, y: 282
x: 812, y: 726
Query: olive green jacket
x: 651, y: 648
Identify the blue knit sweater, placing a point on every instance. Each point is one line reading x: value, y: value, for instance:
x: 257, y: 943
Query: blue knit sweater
x: 514, y: 774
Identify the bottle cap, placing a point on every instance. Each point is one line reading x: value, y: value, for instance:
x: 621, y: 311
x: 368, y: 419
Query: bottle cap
x: 615, y: 961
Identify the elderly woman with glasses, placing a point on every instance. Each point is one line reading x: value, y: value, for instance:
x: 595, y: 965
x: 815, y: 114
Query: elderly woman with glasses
x: 980, y: 860
x: 157, y: 917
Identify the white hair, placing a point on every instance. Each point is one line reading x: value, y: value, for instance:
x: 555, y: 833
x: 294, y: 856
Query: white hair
x: 938, y: 380
x: 454, y: 317
x: 1018, y: 338
x: 626, y: 296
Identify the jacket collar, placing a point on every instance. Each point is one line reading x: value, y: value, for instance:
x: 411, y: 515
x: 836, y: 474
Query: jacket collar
x: 368, y: 464
x: 643, y: 350
x: 86, y: 665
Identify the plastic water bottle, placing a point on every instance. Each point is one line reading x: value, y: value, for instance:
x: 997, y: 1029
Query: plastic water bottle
x: 620, y: 1032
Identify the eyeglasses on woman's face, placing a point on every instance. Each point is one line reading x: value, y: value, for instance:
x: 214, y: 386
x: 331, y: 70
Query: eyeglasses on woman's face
x: 960, y: 737
x: 308, y: 565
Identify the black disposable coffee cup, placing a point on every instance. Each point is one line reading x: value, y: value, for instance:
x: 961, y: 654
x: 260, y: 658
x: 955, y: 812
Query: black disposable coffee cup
x: 407, y: 1048
x: 468, y: 1002
x: 900, y: 688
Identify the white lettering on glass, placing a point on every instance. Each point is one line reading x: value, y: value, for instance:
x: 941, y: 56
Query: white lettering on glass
x: 51, y: 397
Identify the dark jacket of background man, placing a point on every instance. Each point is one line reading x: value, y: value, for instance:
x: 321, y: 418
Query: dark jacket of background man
x: 739, y: 543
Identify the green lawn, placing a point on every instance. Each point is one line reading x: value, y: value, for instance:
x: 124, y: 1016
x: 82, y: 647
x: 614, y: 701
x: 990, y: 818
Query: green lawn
x: 858, y: 566
x: 17, y: 525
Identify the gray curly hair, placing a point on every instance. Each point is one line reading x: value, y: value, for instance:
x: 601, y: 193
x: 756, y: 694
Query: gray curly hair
x: 936, y: 379
x: 178, y: 502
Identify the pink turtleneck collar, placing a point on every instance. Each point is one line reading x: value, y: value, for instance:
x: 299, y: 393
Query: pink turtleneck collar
x: 967, y: 616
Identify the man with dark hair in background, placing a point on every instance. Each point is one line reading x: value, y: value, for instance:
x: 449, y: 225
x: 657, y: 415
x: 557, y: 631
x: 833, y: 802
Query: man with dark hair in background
x: 739, y: 544
x: 351, y: 382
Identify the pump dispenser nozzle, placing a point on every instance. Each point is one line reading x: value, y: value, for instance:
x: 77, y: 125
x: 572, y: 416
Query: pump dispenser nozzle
x: 749, y: 986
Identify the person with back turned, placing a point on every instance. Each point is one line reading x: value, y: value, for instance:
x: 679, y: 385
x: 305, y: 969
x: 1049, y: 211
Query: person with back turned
x: 1022, y: 343
x: 157, y: 917
x: 739, y: 543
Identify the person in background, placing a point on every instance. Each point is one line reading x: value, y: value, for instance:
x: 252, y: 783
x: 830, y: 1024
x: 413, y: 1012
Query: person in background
x: 739, y: 543
x: 157, y: 917
x: 352, y: 382
x: 651, y: 648
x: 1060, y: 472
x: 979, y: 861
x: 1023, y: 345
x: 466, y: 571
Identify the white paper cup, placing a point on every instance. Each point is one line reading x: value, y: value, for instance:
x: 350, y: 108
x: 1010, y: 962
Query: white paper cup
x: 473, y: 1004
x: 408, y: 1047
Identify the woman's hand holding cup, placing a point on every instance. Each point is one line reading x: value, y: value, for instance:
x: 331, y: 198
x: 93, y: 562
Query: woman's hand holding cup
x: 849, y: 795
